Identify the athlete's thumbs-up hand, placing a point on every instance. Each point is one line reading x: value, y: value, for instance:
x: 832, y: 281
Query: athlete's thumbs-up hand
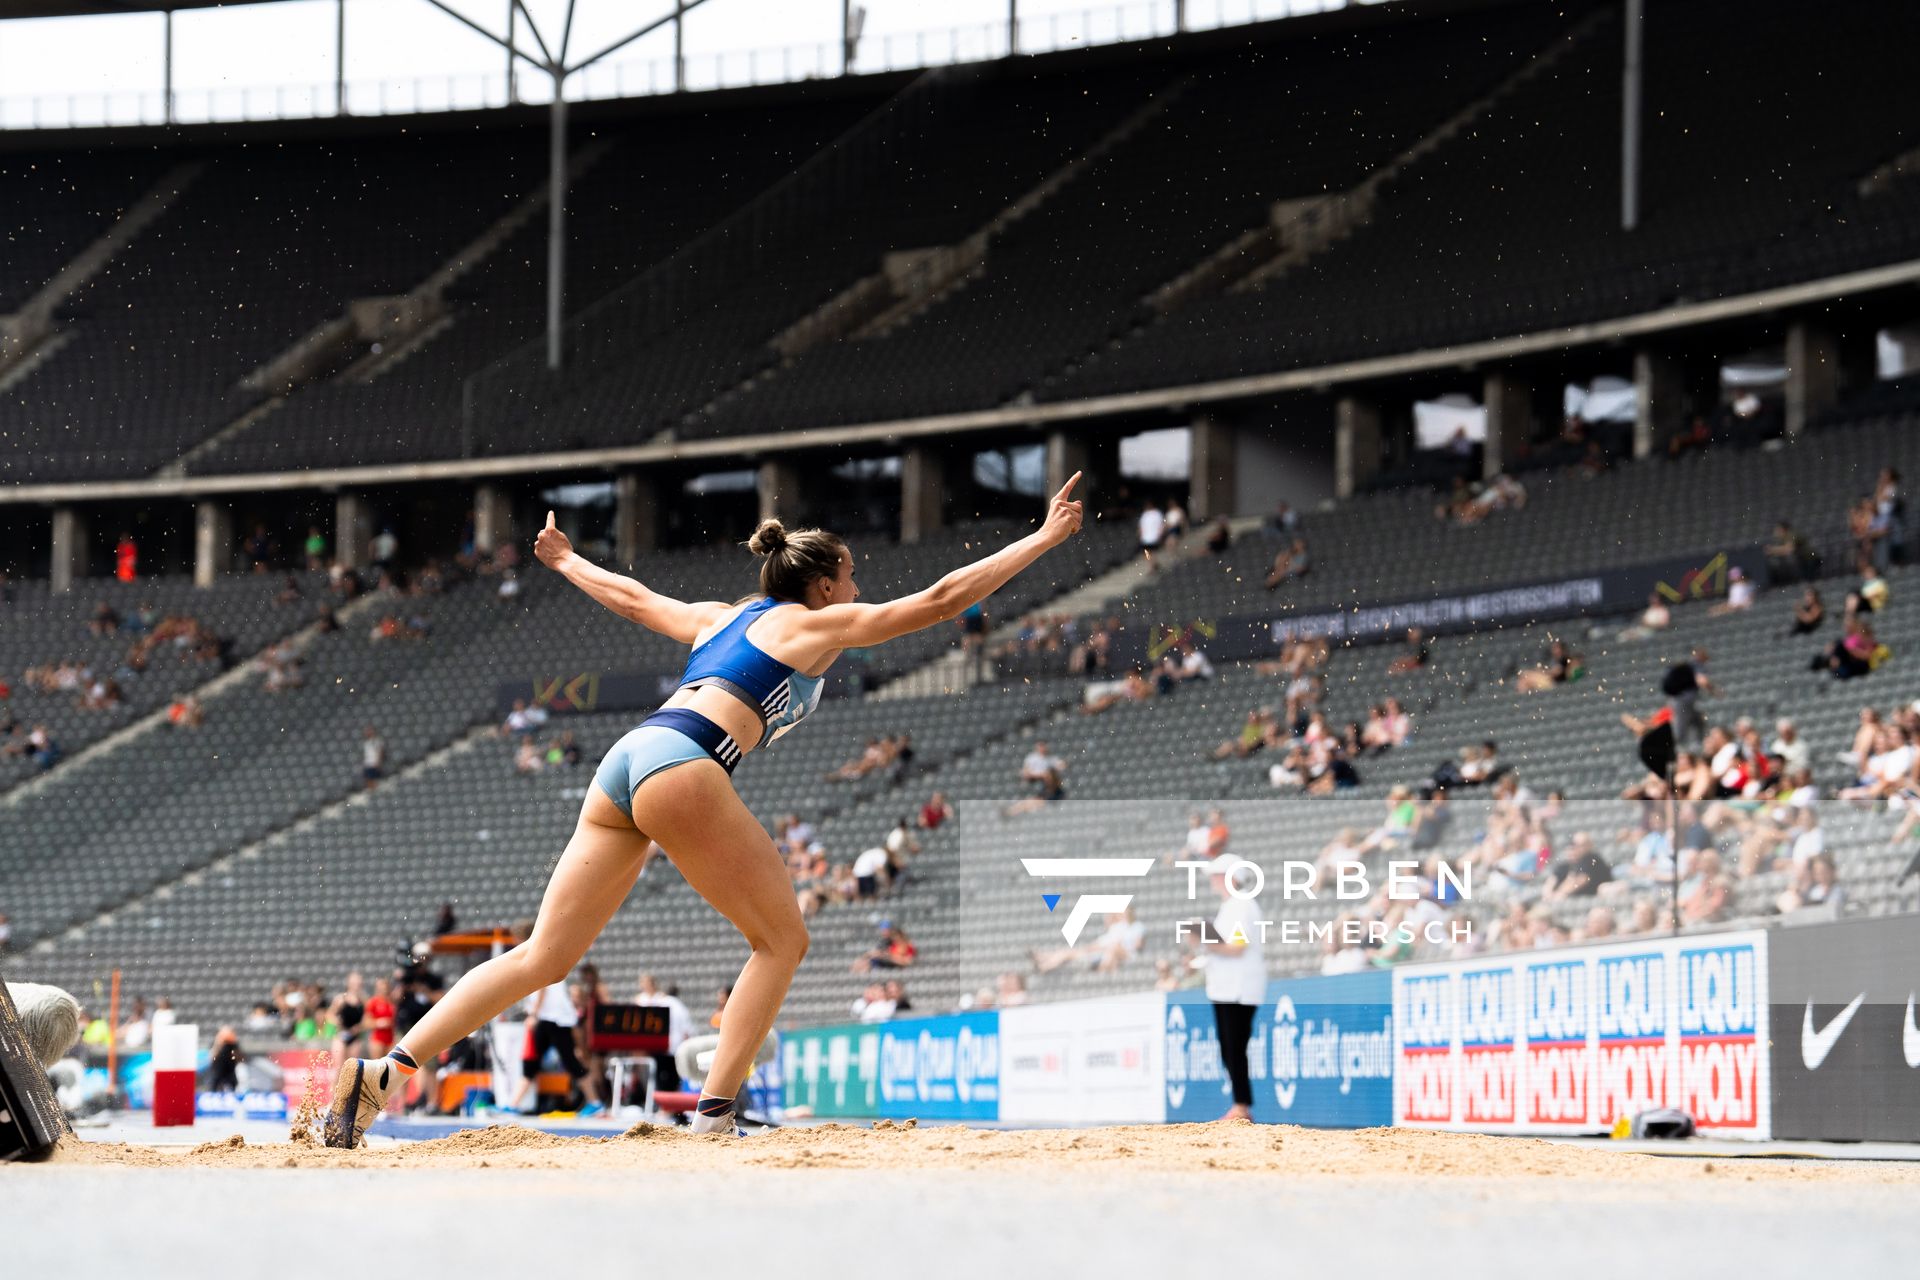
x: 551, y: 546
x: 1064, y: 513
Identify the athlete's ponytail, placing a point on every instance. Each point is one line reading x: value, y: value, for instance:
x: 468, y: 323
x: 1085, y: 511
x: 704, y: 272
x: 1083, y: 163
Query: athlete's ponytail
x: 792, y: 560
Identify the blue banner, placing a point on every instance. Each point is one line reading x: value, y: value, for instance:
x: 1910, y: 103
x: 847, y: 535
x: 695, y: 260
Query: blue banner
x: 945, y: 1068
x: 1321, y: 1054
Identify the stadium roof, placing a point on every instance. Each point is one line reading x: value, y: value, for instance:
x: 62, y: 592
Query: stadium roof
x: 77, y: 8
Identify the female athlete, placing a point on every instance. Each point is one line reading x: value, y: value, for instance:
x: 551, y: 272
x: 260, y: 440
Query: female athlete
x: 754, y: 673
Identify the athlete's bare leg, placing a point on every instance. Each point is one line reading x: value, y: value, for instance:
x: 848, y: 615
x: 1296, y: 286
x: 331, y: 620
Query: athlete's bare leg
x: 727, y: 856
x: 593, y: 878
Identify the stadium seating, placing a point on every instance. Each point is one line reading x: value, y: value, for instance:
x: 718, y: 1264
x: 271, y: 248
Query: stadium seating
x: 57, y: 203
x: 337, y: 892
x: 1513, y: 226
x: 42, y: 630
x: 1236, y: 135
x: 632, y: 207
x: 265, y: 245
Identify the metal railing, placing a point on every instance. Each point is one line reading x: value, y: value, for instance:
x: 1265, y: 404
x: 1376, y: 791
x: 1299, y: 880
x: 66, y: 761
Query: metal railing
x: 900, y: 51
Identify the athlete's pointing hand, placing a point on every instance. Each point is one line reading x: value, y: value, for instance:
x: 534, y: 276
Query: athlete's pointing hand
x: 1063, y: 514
x: 551, y: 546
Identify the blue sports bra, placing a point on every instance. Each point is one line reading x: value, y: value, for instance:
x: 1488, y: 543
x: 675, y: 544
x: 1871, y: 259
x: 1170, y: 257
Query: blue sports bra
x: 728, y: 660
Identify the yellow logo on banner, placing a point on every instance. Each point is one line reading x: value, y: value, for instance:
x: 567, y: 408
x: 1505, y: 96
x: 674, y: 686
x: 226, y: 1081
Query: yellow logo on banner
x: 1166, y: 636
x: 1710, y: 579
x: 576, y: 693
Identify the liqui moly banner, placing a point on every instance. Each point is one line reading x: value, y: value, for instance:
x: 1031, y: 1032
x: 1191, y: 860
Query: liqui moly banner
x: 1569, y: 1041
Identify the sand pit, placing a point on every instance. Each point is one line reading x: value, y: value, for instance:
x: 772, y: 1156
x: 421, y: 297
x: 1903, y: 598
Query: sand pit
x: 834, y: 1201
x: 1236, y: 1148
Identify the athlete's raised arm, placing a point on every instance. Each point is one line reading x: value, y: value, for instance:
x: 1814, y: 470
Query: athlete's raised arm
x: 631, y: 600
x: 852, y: 626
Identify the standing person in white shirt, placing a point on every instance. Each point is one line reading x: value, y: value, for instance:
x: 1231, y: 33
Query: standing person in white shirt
x: 1236, y: 976
x: 1153, y: 530
x: 1176, y: 526
x: 552, y: 1017
x: 666, y: 1072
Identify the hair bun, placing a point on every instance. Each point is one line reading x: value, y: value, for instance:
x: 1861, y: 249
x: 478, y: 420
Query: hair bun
x: 769, y: 538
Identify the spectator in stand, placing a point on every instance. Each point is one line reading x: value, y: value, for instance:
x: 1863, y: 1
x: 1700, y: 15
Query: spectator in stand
x: 1562, y: 666
x: 1292, y: 561
x: 1193, y: 664
x: 105, y: 620
x: 1868, y: 735
x: 1581, y: 874
x: 894, y: 950
x: 1808, y: 614
x: 1856, y: 653
x: 6, y: 933
x: 1653, y: 856
x: 1219, y: 536
x: 1433, y: 816
x: 1119, y: 942
x: 563, y: 752
x: 1153, y: 530
x: 1094, y: 655
x: 1305, y: 692
x: 1655, y: 618
x: 41, y: 748
x: 1403, y: 817
x: 974, y: 625
x: 1790, y: 557
x: 373, y: 757
x: 185, y: 712
x: 1010, y: 990
x: 1045, y: 775
x: 873, y: 1005
x: 936, y: 812
x: 126, y: 558
x: 1888, y: 772
x: 382, y: 551
x: 1740, y: 595
x: 870, y: 872
x: 316, y: 549
x: 1683, y: 686
x: 523, y: 719
x: 901, y: 848
x: 1194, y: 846
x: 527, y: 759
x: 1889, y: 519
x: 1815, y: 884
x: 1176, y: 526
x: 1219, y: 835
x: 1780, y: 824
x: 1705, y: 893
x: 1283, y: 521
x: 1417, y: 654
x: 1598, y: 927
x: 1132, y: 687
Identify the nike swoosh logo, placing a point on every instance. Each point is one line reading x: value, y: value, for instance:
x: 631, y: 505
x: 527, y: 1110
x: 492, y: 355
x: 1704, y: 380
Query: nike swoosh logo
x: 1910, y: 1036
x: 1816, y: 1045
